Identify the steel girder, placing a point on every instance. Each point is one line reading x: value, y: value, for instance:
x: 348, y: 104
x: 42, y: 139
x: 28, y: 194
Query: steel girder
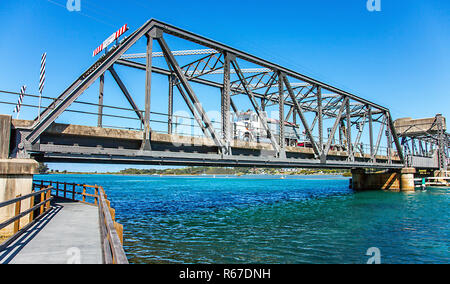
x: 306, y: 97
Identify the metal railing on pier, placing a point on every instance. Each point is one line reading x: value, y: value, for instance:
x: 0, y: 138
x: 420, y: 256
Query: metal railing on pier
x: 111, y: 231
x: 39, y: 206
x: 432, y: 182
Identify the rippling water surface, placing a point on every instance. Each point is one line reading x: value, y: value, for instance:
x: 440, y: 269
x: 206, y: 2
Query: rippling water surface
x: 270, y: 220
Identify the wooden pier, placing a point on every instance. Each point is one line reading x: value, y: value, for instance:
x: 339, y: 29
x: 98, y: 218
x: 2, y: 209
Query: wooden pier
x: 432, y: 182
x: 66, y: 223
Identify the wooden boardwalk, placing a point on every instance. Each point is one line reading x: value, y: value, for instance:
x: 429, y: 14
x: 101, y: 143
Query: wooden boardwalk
x: 69, y: 233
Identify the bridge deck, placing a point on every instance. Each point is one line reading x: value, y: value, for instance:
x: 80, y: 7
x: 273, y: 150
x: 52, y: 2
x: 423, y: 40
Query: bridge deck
x: 69, y: 230
x: 79, y: 143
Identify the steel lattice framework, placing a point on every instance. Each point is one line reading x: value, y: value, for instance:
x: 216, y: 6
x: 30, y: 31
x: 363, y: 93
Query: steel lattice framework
x: 300, y: 100
x: 422, y: 141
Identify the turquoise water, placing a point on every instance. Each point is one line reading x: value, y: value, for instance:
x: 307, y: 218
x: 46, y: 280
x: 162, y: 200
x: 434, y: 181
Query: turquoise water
x: 260, y: 220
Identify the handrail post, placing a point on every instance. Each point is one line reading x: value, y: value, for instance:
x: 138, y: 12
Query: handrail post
x: 84, y: 194
x: 49, y: 194
x: 16, y: 213
x: 65, y: 190
x: 96, y: 194
x: 42, y: 200
x: 73, y: 192
x: 31, y: 206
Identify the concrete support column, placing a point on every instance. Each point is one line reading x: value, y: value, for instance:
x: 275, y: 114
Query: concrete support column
x: 16, y: 178
x: 396, y: 180
x: 358, y: 179
x: 5, y: 135
x: 407, y: 179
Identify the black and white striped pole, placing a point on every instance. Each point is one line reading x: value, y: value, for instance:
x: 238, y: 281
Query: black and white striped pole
x: 41, y: 82
x: 19, y: 103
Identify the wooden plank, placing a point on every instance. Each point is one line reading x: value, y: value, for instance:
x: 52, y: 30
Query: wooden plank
x: 113, y: 213
x: 42, y: 206
x: 49, y: 194
x: 119, y: 230
x: 16, y: 213
x: 31, y: 206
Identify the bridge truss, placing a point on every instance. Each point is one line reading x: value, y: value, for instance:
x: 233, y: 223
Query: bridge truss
x: 299, y: 100
x: 425, y: 142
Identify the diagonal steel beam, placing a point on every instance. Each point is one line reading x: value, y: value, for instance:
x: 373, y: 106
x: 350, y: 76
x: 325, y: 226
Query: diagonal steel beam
x: 252, y: 98
x: 380, y: 135
x: 192, y: 109
x: 190, y: 92
x: 100, y: 101
x: 395, y: 137
x: 85, y: 81
x: 333, y: 131
x: 127, y: 94
x: 174, y: 81
x: 302, y: 116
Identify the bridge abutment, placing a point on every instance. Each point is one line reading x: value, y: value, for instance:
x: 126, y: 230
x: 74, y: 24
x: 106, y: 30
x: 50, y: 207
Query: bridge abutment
x: 393, y: 180
x: 16, y: 178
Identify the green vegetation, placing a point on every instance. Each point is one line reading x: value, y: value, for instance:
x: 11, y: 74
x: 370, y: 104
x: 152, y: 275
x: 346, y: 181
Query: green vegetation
x: 220, y: 171
x: 43, y: 168
x: 347, y: 174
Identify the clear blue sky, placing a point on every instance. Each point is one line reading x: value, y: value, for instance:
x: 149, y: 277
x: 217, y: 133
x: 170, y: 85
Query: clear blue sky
x: 398, y: 58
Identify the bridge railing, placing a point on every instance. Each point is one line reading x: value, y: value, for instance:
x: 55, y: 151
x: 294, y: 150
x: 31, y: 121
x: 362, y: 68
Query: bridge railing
x: 39, y: 206
x: 184, y: 125
x: 111, y: 231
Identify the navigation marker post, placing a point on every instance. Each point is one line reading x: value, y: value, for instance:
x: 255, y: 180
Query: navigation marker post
x: 19, y: 103
x: 41, y: 82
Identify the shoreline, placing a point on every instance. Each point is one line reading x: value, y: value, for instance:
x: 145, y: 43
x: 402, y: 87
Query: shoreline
x: 197, y: 175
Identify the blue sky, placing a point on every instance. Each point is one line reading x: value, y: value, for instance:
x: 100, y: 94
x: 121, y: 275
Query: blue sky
x: 398, y: 58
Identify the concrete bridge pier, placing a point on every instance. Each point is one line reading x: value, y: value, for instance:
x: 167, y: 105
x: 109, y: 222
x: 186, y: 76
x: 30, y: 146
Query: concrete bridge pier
x: 393, y: 180
x: 16, y: 178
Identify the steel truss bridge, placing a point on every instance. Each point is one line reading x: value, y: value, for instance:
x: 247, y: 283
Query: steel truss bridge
x: 332, y: 123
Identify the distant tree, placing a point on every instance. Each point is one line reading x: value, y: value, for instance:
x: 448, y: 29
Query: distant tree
x: 43, y: 168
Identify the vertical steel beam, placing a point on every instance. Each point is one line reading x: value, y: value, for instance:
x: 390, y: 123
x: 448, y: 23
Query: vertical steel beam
x: 349, y: 133
x: 170, y: 106
x: 369, y: 114
x: 226, y: 103
x: 100, y: 101
x: 281, y: 141
x: 389, y: 141
x: 148, y: 91
x: 320, y: 117
x: 441, y: 143
x: 190, y: 92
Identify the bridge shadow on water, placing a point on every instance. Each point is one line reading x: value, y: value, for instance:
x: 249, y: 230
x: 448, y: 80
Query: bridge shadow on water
x: 8, y: 253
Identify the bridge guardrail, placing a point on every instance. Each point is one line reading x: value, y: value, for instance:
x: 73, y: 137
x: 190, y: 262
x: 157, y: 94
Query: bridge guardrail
x: 180, y: 124
x: 35, y: 212
x: 111, y: 231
